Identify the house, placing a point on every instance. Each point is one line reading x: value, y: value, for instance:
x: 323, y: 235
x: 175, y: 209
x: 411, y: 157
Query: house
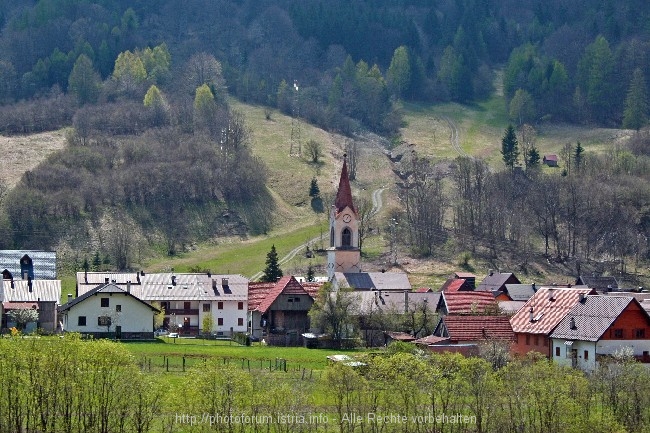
x: 190, y: 300
x: 550, y: 160
x: 539, y: 316
x: 278, y: 312
x: 470, y: 279
x: 368, y: 281
x: 600, y: 283
x: 474, y: 329
x: 39, y: 265
x: 41, y: 295
x: 496, y: 282
x: 517, y: 292
x: 598, y: 326
x: 510, y: 308
x: 467, y: 303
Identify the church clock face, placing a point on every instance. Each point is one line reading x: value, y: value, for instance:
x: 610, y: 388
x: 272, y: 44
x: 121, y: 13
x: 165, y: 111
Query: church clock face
x: 347, y: 218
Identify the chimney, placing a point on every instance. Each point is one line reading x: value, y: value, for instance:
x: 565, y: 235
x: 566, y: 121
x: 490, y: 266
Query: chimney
x: 137, y: 278
x: 106, y: 280
x: 173, y: 280
x: 142, y: 273
x: 86, y: 277
x: 582, y: 298
x: 214, y: 284
x: 128, y: 286
x: 534, y: 288
x: 406, y: 301
x: 224, y: 282
x: 490, y: 272
x: 573, y: 323
x: 531, y: 314
x: 29, y: 284
x: 209, y: 274
x: 551, y: 295
x: 69, y: 297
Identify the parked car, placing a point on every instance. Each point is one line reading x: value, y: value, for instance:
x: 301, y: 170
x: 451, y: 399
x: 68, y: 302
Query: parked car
x: 173, y: 335
x: 160, y: 332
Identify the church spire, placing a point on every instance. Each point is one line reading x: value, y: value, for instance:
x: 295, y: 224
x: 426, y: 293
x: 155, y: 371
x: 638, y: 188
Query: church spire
x: 344, y: 193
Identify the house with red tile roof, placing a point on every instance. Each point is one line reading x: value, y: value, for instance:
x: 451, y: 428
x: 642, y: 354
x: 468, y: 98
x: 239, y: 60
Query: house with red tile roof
x: 536, y: 320
x: 598, y: 326
x: 474, y: 329
x: 467, y: 303
x: 278, y: 312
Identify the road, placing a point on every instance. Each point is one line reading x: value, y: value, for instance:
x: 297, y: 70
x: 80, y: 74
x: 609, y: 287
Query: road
x: 454, y: 137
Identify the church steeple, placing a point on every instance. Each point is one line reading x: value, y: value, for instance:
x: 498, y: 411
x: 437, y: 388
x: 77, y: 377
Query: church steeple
x: 343, y: 254
x: 344, y: 193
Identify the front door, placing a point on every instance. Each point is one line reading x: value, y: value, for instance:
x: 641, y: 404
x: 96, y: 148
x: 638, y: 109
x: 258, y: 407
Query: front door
x: 118, y: 332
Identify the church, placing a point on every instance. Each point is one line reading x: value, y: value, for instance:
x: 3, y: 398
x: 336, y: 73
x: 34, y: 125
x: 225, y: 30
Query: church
x: 344, y: 266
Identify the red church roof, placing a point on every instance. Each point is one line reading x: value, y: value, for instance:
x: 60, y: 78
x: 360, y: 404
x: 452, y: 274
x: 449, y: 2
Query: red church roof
x: 344, y: 193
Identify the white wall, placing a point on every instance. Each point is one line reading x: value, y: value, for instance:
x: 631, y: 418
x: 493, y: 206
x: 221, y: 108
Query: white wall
x: 134, y: 317
x: 230, y: 313
x: 608, y: 347
x: 564, y: 358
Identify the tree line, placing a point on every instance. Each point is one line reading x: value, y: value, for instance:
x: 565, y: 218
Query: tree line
x: 594, y: 207
x: 73, y: 386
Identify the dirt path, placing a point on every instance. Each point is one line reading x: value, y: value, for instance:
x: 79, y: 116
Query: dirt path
x: 454, y: 137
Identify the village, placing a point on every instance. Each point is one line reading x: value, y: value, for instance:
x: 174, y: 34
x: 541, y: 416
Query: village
x: 575, y: 325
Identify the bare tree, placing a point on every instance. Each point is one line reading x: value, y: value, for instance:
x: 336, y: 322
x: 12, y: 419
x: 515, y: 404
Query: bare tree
x: 352, y: 151
x: 366, y: 218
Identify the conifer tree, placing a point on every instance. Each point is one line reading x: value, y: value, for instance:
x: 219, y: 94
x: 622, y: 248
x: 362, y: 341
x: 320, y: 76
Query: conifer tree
x: 510, y: 148
x: 636, y: 103
x: 314, y: 191
x: 272, y: 272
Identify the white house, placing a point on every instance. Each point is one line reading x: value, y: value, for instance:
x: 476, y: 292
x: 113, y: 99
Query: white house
x: 598, y: 326
x: 108, y: 311
x: 187, y: 298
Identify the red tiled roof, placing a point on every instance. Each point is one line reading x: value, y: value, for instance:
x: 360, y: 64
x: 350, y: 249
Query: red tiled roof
x: 549, y: 306
x: 452, y: 285
x: 262, y: 295
x: 476, y: 328
x: 312, y: 288
x: 468, y: 302
x: 344, y: 193
x: 550, y: 157
x: 423, y: 290
x: 20, y: 305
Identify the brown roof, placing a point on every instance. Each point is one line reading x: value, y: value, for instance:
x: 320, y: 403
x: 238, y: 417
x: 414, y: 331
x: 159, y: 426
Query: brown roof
x: 262, y: 295
x: 20, y: 305
x: 400, y: 336
x: 344, y: 193
x: 431, y: 339
x: 452, y: 285
x: 423, y: 290
x: 468, y: 302
x: 476, y: 328
x: 548, y: 306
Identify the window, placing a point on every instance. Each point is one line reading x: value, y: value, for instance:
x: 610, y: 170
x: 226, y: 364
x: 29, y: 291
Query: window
x: 240, y: 322
x: 586, y: 355
x: 187, y: 305
x: 219, y: 305
x: 296, y: 299
x: 618, y: 333
x: 118, y: 308
x: 639, y: 333
x: 206, y: 308
x: 103, y: 321
x: 557, y: 351
x: 240, y: 305
x: 104, y: 303
x: 220, y: 321
x: 164, y: 305
x: 81, y: 321
x: 346, y: 237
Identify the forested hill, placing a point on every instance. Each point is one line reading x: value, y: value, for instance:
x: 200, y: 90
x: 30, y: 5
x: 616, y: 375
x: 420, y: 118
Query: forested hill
x: 144, y: 86
x: 569, y: 60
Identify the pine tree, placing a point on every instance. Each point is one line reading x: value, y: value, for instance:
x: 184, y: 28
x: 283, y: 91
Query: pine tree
x: 510, y: 148
x: 272, y: 272
x: 578, y: 155
x: 97, y: 261
x: 533, y: 158
x: 636, y: 103
x: 314, y: 191
x: 310, y: 273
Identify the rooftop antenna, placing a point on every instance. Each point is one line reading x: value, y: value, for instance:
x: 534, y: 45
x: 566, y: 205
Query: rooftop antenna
x: 295, y: 123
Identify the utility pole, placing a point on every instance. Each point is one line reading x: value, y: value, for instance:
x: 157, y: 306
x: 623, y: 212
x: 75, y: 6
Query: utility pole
x: 295, y: 123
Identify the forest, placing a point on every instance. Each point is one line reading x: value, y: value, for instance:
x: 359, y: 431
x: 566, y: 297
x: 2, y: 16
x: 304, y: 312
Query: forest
x: 70, y: 385
x: 153, y: 143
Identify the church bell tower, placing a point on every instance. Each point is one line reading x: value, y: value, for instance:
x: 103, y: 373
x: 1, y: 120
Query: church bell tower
x: 343, y: 254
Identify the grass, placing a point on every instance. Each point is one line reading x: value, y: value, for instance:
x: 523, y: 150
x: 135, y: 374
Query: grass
x: 256, y: 355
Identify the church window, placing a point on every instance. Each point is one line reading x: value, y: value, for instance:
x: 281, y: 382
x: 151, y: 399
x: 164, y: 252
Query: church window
x: 346, y: 238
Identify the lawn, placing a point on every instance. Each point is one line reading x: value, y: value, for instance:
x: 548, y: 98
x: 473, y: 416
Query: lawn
x: 256, y: 356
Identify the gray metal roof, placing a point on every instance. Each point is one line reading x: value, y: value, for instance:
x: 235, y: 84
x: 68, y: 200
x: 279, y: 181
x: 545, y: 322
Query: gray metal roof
x: 520, y: 292
x: 105, y: 288
x: 591, y: 317
x: 44, y: 263
x: 393, y: 301
x: 43, y: 290
x: 162, y: 287
x: 373, y: 280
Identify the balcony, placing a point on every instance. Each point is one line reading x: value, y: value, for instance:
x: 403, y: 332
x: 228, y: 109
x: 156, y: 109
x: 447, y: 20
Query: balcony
x: 182, y: 312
